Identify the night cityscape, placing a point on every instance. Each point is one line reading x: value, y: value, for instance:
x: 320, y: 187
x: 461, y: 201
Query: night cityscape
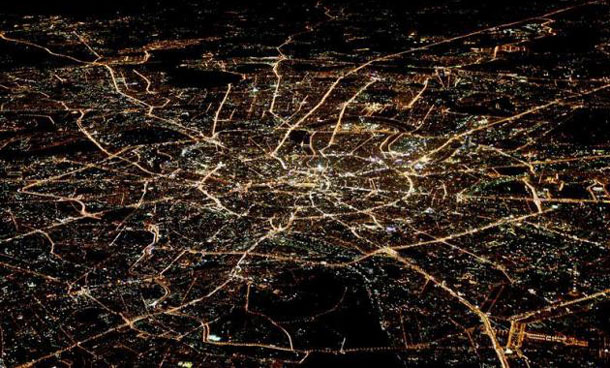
x: 328, y: 183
